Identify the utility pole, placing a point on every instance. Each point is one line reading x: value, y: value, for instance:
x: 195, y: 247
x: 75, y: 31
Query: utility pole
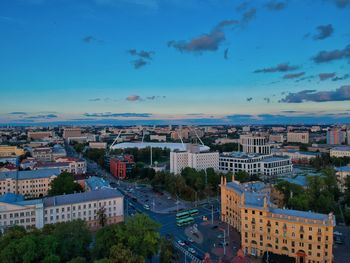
x: 212, y: 214
x: 224, y: 242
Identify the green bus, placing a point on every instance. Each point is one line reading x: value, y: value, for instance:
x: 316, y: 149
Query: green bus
x: 182, y: 215
x: 193, y: 212
x: 185, y: 221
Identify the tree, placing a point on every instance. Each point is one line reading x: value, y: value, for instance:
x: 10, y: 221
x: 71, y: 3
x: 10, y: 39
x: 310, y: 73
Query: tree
x: 142, y: 236
x: 120, y: 254
x: 77, y: 260
x: 64, y: 184
x: 102, y: 217
x: 73, y: 239
x: 105, y: 238
x: 167, y: 251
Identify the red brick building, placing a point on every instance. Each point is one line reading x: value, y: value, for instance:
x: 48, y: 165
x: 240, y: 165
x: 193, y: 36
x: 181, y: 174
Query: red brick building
x: 121, y: 166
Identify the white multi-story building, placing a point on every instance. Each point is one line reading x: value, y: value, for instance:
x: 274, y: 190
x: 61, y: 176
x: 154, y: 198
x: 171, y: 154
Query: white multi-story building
x: 76, y: 165
x: 193, y: 158
x: 299, y: 137
x: 255, y: 144
x: 255, y: 164
x: 340, y: 151
x: 39, y: 212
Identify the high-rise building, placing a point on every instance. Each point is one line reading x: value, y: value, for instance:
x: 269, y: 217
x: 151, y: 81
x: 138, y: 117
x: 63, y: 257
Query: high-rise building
x: 336, y: 136
x: 193, y: 158
x: 303, y: 236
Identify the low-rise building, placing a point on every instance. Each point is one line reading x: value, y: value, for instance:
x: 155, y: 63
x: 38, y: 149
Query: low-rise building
x: 7, y: 151
x: 63, y: 208
x: 43, y: 154
x: 255, y: 164
x: 298, y: 137
x: 304, y: 236
x: 31, y: 184
x: 342, y: 173
x: 39, y: 135
x: 94, y: 183
x: 71, y: 132
x: 340, y: 151
x: 121, y: 166
x: 297, y: 157
x: 97, y: 145
x: 76, y: 165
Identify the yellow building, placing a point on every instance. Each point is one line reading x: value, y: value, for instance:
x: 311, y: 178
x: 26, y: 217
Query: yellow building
x: 31, y: 184
x: 6, y: 151
x: 305, y: 236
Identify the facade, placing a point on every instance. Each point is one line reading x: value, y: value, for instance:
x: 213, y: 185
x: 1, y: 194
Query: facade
x: 39, y: 135
x: 6, y: 151
x: 336, y: 136
x: 296, y: 156
x: 340, y: 152
x: 71, y: 132
x: 58, y: 151
x: 63, y: 208
x: 157, y: 137
x: 31, y: 184
x: 193, y: 158
x: 43, y: 154
x: 76, y: 165
x: 255, y: 164
x: 304, y: 236
x: 276, y: 138
x: 342, y: 173
x: 98, y: 145
x: 122, y: 165
x: 255, y: 144
x: 298, y: 137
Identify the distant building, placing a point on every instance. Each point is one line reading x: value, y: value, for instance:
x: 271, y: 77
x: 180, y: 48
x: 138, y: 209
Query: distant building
x: 341, y: 151
x: 43, y: 154
x: 122, y: 165
x: 62, y: 208
x: 97, y: 145
x: 31, y: 184
x: 255, y: 144
x: 193, y: 158
x: 159, y: 138
x: 58, y: 151
x: 76, y: 165
x: 298, y: 137
x: 342, y: 173
x: 297, y: 157
x: 7, y: 151
x: 95, y: 183
x: 246, y: 128
x: 304, y: 236
x: 10, y: 159
x: 71, y: 132
x: 226, y: 140
x: 276, y: 138
x: 39, y: 135
x: 336, y: 136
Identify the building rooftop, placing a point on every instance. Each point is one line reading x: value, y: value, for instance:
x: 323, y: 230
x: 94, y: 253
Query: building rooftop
x: 343, y: 169
x: 298, y: 213
x: 299, y: 180
x: 32, y: 174
x: 101, y: 194
x: 241, y: 155
x: 275, y: 159
x: 341, y: 148
x: 95, y: 183
x: 11, y: 198
x: 169, y: 145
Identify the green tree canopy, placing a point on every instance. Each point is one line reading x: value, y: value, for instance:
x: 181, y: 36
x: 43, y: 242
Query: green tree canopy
x: 64, y: 184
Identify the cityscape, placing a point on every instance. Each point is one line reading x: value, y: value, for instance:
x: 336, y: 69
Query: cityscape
x: 173, y: 131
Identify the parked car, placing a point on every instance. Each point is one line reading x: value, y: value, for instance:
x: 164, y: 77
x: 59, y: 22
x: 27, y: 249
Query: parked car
x: 190, y: 240
x: 181, y: 243
x: 214, y: 227
x: 191, y: 250
x: 146, y: 207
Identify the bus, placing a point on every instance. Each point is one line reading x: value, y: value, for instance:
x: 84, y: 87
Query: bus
x: 182, y: 215
x: 185, y: 221
x: 193, y: 212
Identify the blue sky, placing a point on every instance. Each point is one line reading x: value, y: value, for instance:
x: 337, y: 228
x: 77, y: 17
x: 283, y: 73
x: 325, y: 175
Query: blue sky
x: 174, y: 61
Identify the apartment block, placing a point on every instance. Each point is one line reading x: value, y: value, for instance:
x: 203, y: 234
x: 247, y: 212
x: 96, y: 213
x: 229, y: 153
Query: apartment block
x: 303, y: 236
x: 340, y: 151
x: 6, y: 151
x: 31, y: 184
x: 122, y: 165
x: 63, y: 208
x: 71, y: 132
x: 39, y: 135
x: 336, y: 136
x: 298, y: 137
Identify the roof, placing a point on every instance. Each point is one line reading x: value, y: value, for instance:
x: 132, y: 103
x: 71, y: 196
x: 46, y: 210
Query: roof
x: 95, y: 183
x: 275, y: 159
x: 169, y: 145
x: 297, y: 213
x: 32, y: 174
x: 341, y: 148
x: 101, y: 194
x: 299, y: 180
x: 343, y: 169
x: 11, y: 198
x: 242, y: 155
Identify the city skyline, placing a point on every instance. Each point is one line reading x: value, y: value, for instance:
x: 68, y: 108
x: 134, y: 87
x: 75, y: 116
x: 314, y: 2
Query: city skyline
x: 173, y: 61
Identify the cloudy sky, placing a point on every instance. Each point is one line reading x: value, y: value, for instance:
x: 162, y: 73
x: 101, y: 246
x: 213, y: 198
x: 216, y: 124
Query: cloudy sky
x: 175, y: 61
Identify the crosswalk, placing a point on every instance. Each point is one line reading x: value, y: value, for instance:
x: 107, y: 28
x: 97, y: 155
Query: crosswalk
x: 187, y: 254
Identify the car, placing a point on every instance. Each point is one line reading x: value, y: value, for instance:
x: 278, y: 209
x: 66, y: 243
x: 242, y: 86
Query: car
x: 223, y: 243
x: 187, y: 243
x: 220, y: 236
x: 190, y: 240
x: 146, y: 207
x: 214, y: 227
x: 169, y: 197
x: 181, y: 243
x: 134, y: 199
x: 338, y: 240
x: 191, y: 250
